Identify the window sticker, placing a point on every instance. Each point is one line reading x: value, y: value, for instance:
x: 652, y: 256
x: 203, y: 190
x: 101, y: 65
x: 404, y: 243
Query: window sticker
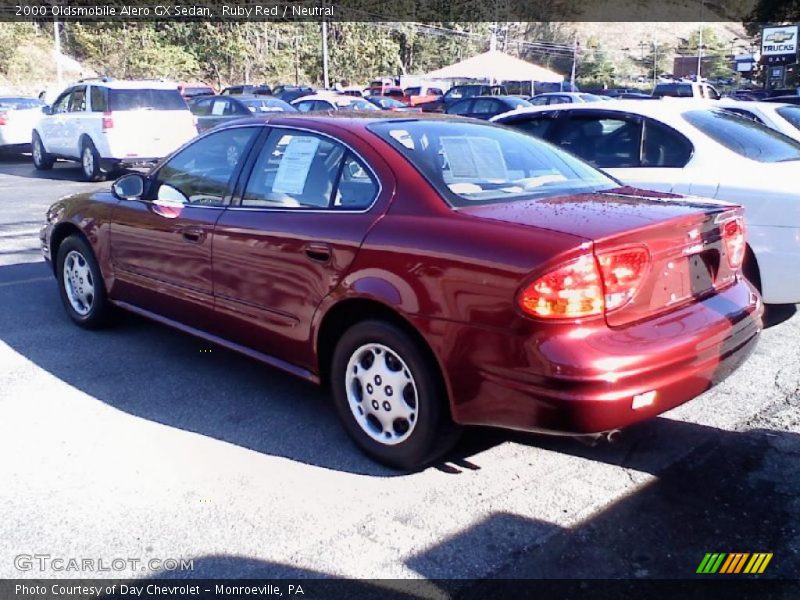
x: 295, y: 165
x: 218, y: 108
x: 474, y: 158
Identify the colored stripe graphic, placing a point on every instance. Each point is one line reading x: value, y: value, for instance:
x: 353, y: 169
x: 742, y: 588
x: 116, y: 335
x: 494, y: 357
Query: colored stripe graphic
x: 758, y: 563
x: 723, y: 563
x: 711, y: 562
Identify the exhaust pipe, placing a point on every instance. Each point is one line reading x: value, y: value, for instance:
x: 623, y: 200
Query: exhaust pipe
x: 592, y: 439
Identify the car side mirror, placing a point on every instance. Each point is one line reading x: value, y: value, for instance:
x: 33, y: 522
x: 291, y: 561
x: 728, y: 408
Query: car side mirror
x: 128, y: 187
x: 47, y: 110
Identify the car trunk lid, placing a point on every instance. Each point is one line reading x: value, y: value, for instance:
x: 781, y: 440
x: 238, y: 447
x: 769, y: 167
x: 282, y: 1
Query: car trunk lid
x: 684, y: 238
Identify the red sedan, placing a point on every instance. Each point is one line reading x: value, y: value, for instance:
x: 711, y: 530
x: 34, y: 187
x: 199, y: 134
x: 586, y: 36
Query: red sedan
x: 435, y: 272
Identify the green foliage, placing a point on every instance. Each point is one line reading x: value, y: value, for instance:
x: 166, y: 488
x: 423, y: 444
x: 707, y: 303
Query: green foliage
x: 716, y: 63
x: 594, y: 69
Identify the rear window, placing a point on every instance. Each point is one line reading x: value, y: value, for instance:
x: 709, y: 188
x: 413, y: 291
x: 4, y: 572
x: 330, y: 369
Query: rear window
x: 791, y: 114
x: 19, y: 103
x: 472, y: 164
x: 143, y: 98
x: 680, y: 90
x: 744, y: 136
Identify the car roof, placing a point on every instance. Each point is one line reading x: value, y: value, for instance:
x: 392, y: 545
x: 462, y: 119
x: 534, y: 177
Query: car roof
x: 348, y: 119
x: 131, y: 84
x: 665, y: 106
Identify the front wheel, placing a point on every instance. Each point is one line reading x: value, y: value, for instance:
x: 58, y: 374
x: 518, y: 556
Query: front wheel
x: 80, y: 283
x: 390, y: 397
x: 90, y: 162
x: 41, y: 159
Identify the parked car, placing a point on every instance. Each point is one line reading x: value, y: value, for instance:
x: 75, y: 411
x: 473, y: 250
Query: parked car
x: 247, y: 89
x: 565, y: 98
x: 780, y: 117
x: 486, y: 107
x: 332, y: 102
x: 421, y: 94
x: 18, y: 115
x: 390, y: 104
x: 265, y: 104
x: 288, y: 93
x: 189, y: 91
x: 388, y: 91
x: 215, y: 110
x: 688, y: 148
x: 459, y: 92
x: 432, y: 272
x: 110, y: 124
x: 686, y: 89
x: 614, y: 92
x: 784, y: 99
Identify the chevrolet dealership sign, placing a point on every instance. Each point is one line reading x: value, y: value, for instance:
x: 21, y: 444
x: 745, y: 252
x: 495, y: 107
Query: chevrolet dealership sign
x: 779, y: 40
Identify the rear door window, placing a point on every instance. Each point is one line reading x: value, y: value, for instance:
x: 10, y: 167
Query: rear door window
x: 99, y: 99
x: 602, y: 140
x: 486, y: 106
x: 462, y: 107
x: 136, y: 99
x: 537, y: 125
x: 744, y: 137
x: 664, y: 147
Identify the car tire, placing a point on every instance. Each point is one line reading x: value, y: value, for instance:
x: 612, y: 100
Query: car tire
x: 81, y: 284
x: 90, y: 162
x: 377, y: 370
x: 41, y: 159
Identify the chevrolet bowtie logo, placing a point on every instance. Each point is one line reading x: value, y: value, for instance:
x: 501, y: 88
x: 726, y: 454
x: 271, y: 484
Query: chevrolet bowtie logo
x: 779, y: 37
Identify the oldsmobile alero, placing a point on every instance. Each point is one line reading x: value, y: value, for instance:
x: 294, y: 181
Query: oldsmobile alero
x: 435, y: 272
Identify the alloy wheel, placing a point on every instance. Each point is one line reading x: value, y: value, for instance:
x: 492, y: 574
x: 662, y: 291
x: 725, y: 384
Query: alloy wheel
x: 78, y: 283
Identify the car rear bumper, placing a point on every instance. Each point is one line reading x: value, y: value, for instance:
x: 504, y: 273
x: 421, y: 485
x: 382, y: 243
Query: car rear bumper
x: 577, y: 380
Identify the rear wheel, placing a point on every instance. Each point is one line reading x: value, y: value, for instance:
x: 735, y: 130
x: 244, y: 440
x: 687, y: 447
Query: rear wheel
x: 41, y: 159
x: 81, y: 285
x: 90, y: 162
x: 389, y: 396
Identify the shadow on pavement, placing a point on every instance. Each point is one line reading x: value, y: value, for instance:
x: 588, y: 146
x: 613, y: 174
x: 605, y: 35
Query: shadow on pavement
x: 775, y: 314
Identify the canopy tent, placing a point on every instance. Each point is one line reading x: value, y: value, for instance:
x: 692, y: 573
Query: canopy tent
x: 496, y: 66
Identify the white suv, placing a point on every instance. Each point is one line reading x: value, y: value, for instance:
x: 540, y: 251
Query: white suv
x: 106, y: 124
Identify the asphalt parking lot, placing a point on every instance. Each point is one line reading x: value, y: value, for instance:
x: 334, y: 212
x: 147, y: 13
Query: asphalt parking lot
x: 143, y: 442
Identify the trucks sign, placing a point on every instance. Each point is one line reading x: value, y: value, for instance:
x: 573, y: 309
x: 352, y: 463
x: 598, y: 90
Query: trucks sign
x: 779, y: 40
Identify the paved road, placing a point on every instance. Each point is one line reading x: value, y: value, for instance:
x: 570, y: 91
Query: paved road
x: 142, y: 442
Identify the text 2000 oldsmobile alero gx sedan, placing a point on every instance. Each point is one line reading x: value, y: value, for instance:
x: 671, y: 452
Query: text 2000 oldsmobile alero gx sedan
x: 434, y: 272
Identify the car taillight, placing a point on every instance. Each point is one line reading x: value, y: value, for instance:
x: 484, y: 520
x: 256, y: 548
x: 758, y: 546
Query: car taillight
x: 108, y: 121
x: 587, y: 286
x: 735, y: 244
x: 623, y: 272
x: 3, y: 118
x: 569, y: 291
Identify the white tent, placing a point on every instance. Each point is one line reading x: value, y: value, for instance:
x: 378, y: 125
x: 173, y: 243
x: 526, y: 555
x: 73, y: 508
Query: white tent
x: 495, y: 66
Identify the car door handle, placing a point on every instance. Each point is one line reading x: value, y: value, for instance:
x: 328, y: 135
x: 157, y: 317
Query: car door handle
x: 318, y: 251
x: 195, y: 235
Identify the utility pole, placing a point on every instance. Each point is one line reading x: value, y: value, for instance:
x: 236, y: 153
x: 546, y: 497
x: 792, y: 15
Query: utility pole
x: 700, y: 45
x: 574, y: 64
x: 655, y: 62
x: 57, y: 43
x: 326, y: 81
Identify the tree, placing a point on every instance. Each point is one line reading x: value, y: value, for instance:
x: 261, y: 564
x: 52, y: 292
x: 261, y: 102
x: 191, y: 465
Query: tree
x: 653, y: 59
x: 594, y: 69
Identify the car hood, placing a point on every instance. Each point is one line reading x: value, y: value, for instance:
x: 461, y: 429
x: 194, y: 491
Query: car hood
x: 598, y: 215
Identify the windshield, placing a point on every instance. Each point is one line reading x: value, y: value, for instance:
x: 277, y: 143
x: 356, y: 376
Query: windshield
x: 744, y: 136
x: 350, y: 103
x: 791, y: 114
x: 472, y: 164
x: 119, y: 99
x: 267, y: 105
